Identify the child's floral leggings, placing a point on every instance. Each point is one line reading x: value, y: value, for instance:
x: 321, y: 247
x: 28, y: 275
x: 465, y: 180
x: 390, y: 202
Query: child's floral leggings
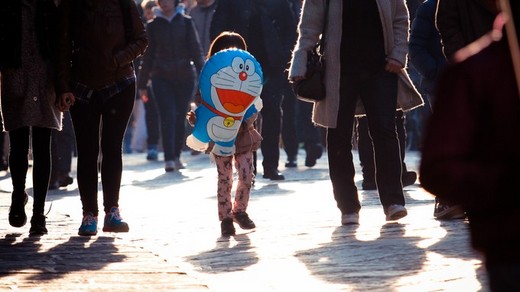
x: 244, y: 167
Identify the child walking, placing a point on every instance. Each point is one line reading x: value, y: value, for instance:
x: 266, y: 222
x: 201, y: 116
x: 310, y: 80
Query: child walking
x: 247, y: 142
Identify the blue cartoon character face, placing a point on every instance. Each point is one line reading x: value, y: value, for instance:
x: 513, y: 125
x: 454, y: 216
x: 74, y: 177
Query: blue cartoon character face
x: 230, y: 84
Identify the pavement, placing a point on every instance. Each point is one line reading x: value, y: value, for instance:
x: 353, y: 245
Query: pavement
x: 174, y: 243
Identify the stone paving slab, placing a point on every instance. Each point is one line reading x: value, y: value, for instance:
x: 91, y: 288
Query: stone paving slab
x: 174, y: 241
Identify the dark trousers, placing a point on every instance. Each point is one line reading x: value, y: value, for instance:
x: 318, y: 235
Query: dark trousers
x: 19, y: 164
x: 379, y: 96
x: 63, y: 146
x: 173, y: 101
x: 272, y: 95
x: 366, y: 149
x: 99, y: 128
x: 289, y: 133
x: 152, y: 120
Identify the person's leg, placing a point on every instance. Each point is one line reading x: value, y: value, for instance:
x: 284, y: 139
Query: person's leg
x: 183, y: 93
x: 41, y: 143
x: 18, y: 165
x: 379, y: 96
x: 41, y: 150
x: 152, y: 126
x: 163, y: 93
x: 86, y: 121
x: 224, y: 186
x: 308, y: 133
x: 271, y: 125
x: 289, y: 137
x: 366, y: 154
x: 244, y: 167
x: 115, y: 115
x: 339, y: 150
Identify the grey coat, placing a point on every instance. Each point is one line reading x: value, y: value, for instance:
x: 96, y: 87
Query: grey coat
x: 395, y: 22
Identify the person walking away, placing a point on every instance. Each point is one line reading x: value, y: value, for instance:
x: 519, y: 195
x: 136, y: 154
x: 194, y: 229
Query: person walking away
x: 97, y: 42
x: 372, y: 71
x: 28, y: 101
x: 168, y: 63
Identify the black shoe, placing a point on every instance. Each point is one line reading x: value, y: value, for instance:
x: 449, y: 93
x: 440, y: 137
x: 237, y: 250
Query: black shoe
x: 65, y: 181
x: 273, y: 175
x: 243, y: 220
x: 368, y: 185
x: 409, y: 178
x: 291, y: 163
x: 38, y: 225
x: 314, y: 152
x: 226, y: 227
x: 17, y: 217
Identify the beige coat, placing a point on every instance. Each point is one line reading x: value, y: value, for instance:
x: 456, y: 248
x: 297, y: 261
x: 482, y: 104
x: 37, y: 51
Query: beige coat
x: 395, y: 22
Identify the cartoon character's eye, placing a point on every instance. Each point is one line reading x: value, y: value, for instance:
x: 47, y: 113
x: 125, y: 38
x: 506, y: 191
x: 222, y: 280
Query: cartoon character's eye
x: 250, y: 67
x: 238, y: 65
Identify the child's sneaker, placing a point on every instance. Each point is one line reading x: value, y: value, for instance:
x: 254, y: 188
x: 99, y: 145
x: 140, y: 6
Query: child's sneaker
x: 226, y: 227
x: 114, y: 222
x: 243, y: 220
x: 88, y: 225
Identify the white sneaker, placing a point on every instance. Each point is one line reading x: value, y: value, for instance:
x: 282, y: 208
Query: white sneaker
x: 347, y: 219
x: 178, y: 164
x: 395, y: 212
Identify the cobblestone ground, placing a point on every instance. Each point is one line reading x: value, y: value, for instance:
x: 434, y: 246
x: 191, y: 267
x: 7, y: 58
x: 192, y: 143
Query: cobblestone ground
x: 298, y: 245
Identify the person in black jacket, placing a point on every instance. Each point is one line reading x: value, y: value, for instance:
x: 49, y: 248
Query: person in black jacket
x: 268, y: 27
x: 98, y: 42
x: 172, y: 63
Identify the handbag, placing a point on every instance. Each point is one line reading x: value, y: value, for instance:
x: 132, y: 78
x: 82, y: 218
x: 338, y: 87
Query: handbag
x: 312, y: 87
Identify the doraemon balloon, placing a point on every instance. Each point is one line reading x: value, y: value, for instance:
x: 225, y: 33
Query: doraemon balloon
x: 230, y: 85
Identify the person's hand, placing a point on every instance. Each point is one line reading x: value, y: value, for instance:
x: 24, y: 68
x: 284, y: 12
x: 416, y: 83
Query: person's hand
x: 65, y: 101
x: 191, y: 117
x: 393, y: 66
x: 296, y: 78
x: 211, y: 144
x: 143, y: 93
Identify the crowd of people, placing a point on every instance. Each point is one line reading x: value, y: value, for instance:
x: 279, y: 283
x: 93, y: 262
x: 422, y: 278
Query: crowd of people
x: 72, y: 72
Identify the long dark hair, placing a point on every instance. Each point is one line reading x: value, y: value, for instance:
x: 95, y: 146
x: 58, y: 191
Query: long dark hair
x: 227, y: 40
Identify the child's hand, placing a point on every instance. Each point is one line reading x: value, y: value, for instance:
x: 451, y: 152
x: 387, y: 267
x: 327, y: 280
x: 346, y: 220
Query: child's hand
x: 192, y: 118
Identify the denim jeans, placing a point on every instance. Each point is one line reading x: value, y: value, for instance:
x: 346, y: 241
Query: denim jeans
x: 173, y: 101
x: 378, y: 92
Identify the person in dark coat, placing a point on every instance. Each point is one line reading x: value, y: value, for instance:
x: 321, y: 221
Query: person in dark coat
x: 269, y: 30
x: 470, y: 155
x: 29, y: 112
x: 171, y: 63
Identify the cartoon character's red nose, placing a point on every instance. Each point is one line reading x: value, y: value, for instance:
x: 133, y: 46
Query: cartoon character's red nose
x: 242, y: 76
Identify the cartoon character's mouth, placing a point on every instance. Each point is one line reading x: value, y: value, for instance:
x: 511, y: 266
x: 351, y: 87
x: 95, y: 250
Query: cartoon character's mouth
x: 234, y: 101
x: 222, y: 133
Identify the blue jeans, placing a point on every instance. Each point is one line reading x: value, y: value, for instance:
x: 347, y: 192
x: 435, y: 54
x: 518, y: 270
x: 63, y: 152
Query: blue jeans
x: 173, y: 100
x: 378, y: 92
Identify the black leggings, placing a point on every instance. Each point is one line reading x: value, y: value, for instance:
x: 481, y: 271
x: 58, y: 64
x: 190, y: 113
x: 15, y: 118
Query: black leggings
x: 101, y: 126
x: 19, y: 162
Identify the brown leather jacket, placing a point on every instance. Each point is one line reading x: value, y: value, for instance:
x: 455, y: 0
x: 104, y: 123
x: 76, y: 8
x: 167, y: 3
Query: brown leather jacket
x: 93, y: 46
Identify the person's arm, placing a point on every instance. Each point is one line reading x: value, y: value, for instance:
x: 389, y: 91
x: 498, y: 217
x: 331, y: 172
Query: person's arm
x: 396, y: 58
x: 137, y: 43
x: 421, y: 35
x: 309, y: 30
x: 195, y: 47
